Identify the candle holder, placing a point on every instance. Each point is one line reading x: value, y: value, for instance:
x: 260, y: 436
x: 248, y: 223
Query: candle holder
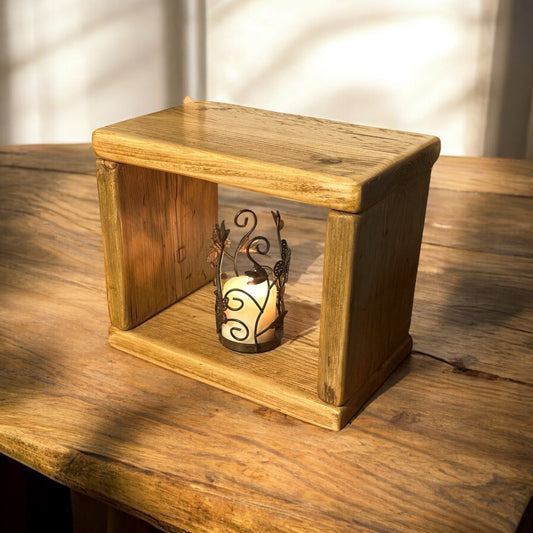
x: 249, y: 307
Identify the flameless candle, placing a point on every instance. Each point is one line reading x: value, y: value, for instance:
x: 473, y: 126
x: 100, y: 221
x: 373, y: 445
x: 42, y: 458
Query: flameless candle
x: 245, y: 301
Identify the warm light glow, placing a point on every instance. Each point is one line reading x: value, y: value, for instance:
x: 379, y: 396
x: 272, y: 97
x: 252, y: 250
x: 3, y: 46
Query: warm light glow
x: 243, y: 308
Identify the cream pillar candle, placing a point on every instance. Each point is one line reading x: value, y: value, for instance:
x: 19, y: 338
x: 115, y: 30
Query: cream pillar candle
x: 245, y: 301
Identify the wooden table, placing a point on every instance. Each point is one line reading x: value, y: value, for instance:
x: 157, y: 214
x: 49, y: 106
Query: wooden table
x: 445, y: 445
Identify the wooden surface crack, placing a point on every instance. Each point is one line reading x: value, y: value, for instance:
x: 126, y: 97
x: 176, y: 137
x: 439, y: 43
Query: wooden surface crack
x: 428, y: 242
x: 460, y: 368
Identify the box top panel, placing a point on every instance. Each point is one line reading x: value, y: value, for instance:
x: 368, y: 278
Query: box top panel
x: 315, y: 161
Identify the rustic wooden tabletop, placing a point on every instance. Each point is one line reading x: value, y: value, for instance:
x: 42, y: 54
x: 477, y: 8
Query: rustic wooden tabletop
x: 445, y: 445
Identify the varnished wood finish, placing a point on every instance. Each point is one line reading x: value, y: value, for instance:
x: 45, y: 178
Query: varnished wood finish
x: 370, y: 270
x: 156, y: 228
x: 370, y: 260
x: 444, y: 445
x: 183, y: 338
x: 319, y: 162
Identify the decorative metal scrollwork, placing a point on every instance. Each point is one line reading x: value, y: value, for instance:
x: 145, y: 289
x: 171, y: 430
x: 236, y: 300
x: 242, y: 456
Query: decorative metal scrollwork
x: 249, y: 307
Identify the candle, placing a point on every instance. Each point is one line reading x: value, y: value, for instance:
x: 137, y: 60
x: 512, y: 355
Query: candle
x: 245, y: 302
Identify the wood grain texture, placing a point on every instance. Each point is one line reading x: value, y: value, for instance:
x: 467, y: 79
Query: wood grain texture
x: 370, y: 270
x: 480, y: 222
x: 315, y: 161
x: 71, y: 158
x: 474, y: 309
x: 156, y: 229
x: 370, y: 262
x: 183, y: 338
x: 484, y: 175
x: 444, y: 445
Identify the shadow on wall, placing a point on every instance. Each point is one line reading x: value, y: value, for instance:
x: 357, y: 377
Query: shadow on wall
x: 68, y: 71
x: 5, y: 118
x: 510, y: 114
x: 185, y: 50
x: 461, y: 108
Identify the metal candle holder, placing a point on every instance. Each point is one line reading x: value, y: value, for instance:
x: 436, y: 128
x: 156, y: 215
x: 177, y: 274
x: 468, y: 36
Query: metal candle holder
x: 249, y: 308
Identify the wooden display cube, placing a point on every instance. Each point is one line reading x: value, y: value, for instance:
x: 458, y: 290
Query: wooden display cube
x: 157, y: 182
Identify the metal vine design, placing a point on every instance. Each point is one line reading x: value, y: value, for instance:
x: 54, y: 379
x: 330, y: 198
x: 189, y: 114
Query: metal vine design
x: 253, y: 247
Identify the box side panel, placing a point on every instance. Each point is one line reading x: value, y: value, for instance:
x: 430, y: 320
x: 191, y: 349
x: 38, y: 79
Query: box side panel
x: 367, y: 303
x: 157, y: 226
x: 337, y: 286
x: 107, y: 182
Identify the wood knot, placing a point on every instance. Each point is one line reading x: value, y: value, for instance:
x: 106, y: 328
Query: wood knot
x: 329, y: 395
x: 404, y: 417
x: 181, y: 253
x: 330, y: 160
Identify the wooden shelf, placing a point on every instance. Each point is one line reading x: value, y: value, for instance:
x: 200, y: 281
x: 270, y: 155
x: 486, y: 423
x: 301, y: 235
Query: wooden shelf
x: 157, y: 182
x: 183, y: 339
x: 347, y: 167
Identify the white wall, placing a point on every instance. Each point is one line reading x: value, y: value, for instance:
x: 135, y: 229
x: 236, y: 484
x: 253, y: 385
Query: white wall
x: 407, y: 64
x: 70, y: 66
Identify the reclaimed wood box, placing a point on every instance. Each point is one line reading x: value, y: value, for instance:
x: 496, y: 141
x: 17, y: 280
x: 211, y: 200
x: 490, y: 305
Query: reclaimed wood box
x: 157, y: 181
